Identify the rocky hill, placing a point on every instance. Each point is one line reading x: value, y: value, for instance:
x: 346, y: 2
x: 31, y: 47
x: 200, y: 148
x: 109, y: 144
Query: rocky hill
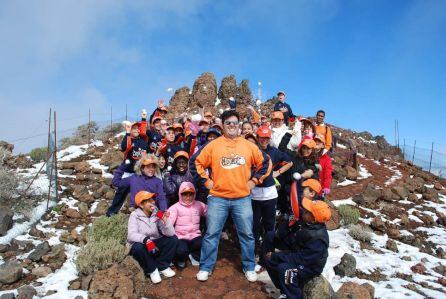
x: 387, y: 235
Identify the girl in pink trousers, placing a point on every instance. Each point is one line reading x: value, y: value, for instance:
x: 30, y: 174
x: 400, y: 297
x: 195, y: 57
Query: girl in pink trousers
x: 185, y: 215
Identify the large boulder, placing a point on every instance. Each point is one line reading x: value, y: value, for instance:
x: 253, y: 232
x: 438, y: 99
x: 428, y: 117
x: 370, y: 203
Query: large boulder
x: 368, y: 196
x: 347, y: 266
x: 204, y: 91
x: 318, y: 287
x: 335, y: 220
x: 351, y: 290
x: 7, y: 146
x: 401, y: 191
x: 10, y: 272
x: 5, y: 220
x: 26, y: 292
x: 351, y: 173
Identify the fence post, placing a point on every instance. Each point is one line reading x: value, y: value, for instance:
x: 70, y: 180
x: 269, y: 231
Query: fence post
x: 398, y: 133
x: 49, y: 134
x: 89, y: 128
x: 55, y: 158
x: 430, y: 162
x: 404, y: 148
x: 413, y: 155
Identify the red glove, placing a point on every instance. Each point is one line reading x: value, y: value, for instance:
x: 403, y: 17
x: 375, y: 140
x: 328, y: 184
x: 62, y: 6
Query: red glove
x: 151, y: 246
x: 159, y: 214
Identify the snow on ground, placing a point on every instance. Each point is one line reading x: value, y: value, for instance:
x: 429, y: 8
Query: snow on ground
x: 367, y: 141
x: 388, y: 263
x: 95, y: 163
x: 363, y: 172
x: 396, y: 175
x: 40, y: 185
x: 346, y: 183
x: 347, y: 201
x: 71, y: 152
x: 341, y: 146
x: 20, y: 228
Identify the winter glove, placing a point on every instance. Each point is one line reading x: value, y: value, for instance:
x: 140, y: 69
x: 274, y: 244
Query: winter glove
x: 326, y: 191
x: 158, y: 213
x: 150, y: 245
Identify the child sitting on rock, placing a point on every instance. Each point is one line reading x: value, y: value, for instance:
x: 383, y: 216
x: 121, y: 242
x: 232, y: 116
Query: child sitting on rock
x: 152, y: 237
x: 303, y: 243
x: 186, y: 215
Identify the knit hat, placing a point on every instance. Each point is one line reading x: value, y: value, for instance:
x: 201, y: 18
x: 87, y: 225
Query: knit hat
x: 319, y: 209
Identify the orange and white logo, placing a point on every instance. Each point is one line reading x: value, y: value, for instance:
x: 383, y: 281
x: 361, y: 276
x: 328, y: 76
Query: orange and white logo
x: 232, y: 162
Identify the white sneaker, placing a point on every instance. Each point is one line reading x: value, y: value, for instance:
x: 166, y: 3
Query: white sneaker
x: 193, y: 261
x: 202, y: 275
x: 282, y: 296
x: 181, y: 265
x: 257, y: 268
x: 251, y: 276
x: 155, y: 276
x: 168, y: 272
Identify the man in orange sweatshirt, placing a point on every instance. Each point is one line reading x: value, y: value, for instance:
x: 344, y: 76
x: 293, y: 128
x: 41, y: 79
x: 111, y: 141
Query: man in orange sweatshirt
x: 323, y: 129
x: 237, y: 166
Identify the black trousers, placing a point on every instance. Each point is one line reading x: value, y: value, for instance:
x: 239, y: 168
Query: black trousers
x: 264, y: 217
x: 186, y: 247
x: 148, y: 261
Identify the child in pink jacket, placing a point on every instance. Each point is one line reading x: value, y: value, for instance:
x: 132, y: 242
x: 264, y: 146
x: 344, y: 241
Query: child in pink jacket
x: 185, y: 215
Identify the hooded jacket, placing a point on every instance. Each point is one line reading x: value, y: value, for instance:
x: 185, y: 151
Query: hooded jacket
x: 278, y: 133
x: 172, y: 181
x: 141, y: 226
x: 140, y: 182
x: 186, y: 217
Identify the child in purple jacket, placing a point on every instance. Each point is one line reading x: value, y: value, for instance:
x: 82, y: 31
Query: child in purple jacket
x: 152, y: 237
x: 146, y: 179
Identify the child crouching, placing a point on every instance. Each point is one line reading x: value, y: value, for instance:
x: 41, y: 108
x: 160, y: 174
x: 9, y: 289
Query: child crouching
x: 152, y: 237
x: 185, y: 215
x: 303, y: 244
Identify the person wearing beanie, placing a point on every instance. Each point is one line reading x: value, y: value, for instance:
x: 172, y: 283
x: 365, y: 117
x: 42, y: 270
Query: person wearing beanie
x: 176, y: 176
x: 264, y: 196
x: 323, y: 129
x: 303, y: 244
x: 151, y: 237
x: 325, y: 175
x: 185, y: 215
x: 283, y: 107
x: 146, y: 179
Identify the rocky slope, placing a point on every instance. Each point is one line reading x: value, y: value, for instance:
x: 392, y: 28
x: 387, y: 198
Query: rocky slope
x: 402, y: 207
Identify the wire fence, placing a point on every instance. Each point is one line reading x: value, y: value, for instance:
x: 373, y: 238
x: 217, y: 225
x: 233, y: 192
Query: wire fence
x: 428, y: 158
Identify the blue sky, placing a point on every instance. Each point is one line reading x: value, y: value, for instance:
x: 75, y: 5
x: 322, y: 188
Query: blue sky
x: 366, y: 63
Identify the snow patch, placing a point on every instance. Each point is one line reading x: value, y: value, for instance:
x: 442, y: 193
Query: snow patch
x: 346, y: 183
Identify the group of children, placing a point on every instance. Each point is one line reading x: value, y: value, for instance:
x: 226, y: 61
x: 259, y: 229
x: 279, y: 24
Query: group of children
x: 166, y: 226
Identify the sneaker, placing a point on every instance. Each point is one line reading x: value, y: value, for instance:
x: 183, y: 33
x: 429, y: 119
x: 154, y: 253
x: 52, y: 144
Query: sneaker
x: 282, y: 296
x: 155, y: 276
x: 168, y: 272
x: 193, y: 261
x: 181, y: 265
x: 257, y: 268
x: 251, y: 276
x: 202, y: 275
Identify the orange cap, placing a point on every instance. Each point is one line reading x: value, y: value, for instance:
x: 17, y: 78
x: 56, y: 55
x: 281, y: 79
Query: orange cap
x: 264, y: 131
x: 319, y: 209
x: 177, y: 126
x: 135, y: 124
x: 147, y: 160
x: 277, y: 115
x: 313, y: 184
x: 209, y: 113
x: 308, y: 143
x: 181, y: 154
x: 141, y: 196
x: 319, y: 137
x: 202, y: 122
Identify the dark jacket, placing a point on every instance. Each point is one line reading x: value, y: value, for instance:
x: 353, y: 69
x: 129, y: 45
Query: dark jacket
x: 172, y: 182
x: 300, y: 164
x: 279, y: 105
x: 133, y: 148
x: 307, y: 246
x: 277, y: 158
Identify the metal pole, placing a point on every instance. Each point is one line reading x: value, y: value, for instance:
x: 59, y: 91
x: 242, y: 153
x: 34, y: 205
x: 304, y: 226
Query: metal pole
x: 55, y: 158
x: 398, y: 133
x: 89, y: 127
x: 49, y: 134
x: 413, y: 155
x: 111, y: 120
x: 394, y: 130
x: 430, y: 162
x: 404, y: 148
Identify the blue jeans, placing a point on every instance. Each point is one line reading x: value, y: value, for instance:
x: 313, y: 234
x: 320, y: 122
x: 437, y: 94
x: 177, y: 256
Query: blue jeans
x: 218, y: 210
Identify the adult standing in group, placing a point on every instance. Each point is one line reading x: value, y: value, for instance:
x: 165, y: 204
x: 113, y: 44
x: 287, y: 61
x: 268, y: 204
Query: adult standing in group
x: 284, y: 107
x: 236, y: 166
x: 323, y: 129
